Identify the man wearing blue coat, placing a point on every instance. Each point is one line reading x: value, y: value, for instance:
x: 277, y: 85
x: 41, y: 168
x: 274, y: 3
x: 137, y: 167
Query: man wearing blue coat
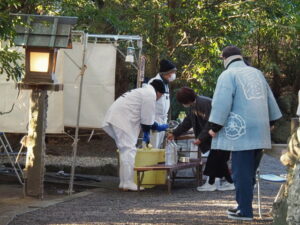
x: 243, y: 109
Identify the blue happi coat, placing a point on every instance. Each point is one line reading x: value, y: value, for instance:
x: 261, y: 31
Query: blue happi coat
x: 243, y: 104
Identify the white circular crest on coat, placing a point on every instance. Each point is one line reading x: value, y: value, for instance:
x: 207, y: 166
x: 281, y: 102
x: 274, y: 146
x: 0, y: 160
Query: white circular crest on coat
x: 235, y: 126
x: 252, y: 84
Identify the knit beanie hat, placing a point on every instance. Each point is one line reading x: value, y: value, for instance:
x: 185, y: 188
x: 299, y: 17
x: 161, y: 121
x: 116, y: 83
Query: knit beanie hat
x: 166, y: 66
x: 158, y: 86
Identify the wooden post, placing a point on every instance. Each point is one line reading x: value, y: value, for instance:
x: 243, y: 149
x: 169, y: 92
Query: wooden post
x: 294, y: 124
x: 35, y: 160
x: 41, y: 44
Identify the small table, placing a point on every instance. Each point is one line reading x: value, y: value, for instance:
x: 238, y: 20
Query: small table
x: 171, y: 171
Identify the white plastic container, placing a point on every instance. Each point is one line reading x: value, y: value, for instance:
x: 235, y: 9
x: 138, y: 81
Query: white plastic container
x: 171, y: 157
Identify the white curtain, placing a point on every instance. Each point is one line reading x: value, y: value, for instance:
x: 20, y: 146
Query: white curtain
x: 97, y: 95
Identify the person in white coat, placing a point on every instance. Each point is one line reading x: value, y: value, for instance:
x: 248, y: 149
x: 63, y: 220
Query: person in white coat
x: 123, y: 121
x: 167, y: 73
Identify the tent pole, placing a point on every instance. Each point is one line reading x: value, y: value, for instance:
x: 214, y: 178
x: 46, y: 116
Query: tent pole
x: 140, y: 73
x: 83, y: 68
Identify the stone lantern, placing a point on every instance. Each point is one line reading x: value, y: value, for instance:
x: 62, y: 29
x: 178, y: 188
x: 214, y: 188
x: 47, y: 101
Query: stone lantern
x: 41, y: 36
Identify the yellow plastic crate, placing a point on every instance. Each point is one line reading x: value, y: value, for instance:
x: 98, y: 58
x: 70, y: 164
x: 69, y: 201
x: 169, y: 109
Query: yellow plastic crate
x: 148, y: 157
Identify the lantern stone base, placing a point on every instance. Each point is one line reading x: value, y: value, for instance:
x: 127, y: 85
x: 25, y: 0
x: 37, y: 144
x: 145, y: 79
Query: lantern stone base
x: 40, y: 86
x: 35, y: 158
x: 38, y: 79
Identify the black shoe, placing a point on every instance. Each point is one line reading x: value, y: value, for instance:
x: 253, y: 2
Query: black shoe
x: 232, y: 211
x: 239, y: 216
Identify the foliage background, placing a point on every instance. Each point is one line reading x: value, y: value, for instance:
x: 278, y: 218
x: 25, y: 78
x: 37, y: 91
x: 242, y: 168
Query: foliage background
x: 189, y: 32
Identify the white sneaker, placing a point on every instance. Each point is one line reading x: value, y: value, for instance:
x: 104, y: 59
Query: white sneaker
x: 217, y: 182
x: 131, y: 187
x: 207, y: 187
x: 226, y: 187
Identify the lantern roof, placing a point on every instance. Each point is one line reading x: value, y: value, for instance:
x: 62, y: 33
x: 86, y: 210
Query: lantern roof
x: 44, y: 31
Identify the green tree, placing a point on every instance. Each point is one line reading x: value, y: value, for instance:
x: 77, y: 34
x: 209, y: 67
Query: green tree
x: 193, y: 32
x: 190, y: 32
x: 8, y: 58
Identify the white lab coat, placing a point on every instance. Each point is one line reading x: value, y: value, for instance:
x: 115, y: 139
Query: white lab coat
x: 122, y: 122
x: 132, y: 109
x: 161, y: 115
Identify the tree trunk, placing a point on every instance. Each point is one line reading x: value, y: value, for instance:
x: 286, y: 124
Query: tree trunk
x: 154, y: 56
x: 121, y: 81
x: 170, y: 35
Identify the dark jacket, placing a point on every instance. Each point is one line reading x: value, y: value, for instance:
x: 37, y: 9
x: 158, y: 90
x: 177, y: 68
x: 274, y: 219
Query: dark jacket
x: 197, y: 117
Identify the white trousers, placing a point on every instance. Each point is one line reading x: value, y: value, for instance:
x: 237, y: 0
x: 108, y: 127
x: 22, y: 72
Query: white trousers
x: 127, y: 152
x: 157, y: 139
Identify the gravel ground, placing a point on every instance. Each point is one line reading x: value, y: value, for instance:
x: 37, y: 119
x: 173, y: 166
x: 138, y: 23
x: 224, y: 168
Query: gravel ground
x: 154, y: 206
x: 84, y: 161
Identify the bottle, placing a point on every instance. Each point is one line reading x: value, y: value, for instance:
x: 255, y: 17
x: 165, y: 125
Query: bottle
x: 193, y: 150
x: 175, y: 152
x: 171, y: 157
x: 168, y: 154
x: 181, y: 116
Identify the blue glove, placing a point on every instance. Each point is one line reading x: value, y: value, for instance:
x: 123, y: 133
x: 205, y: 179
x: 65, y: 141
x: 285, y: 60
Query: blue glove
x: 146, y: 137
x: 159, y: 127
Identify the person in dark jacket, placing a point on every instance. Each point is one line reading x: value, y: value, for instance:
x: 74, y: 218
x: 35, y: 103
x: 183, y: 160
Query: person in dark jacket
x: 197, y: 118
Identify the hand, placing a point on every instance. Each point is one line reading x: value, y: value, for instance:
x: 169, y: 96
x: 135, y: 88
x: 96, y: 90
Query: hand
x: 212, y: 133
x: 159, y: 127
x: 170, y: 136
x: 197, y: 142
x: 146, y: 137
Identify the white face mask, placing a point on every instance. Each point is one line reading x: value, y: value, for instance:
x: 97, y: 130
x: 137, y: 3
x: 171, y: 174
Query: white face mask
x: 172, y: 77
